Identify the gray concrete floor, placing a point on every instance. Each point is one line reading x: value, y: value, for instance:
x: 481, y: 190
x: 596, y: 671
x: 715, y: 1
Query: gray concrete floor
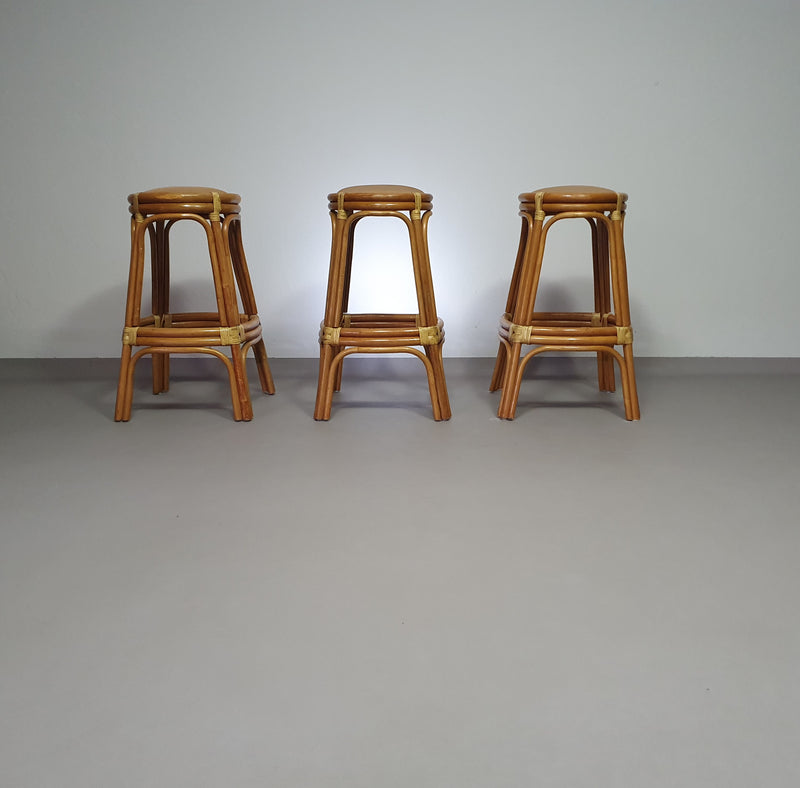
x: 383, y: 601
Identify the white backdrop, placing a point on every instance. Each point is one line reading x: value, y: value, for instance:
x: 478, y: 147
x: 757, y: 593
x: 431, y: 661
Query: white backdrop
x: 692, y: 108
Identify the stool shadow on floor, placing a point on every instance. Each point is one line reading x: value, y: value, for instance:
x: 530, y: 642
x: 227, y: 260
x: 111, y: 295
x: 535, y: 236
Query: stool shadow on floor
x: 563, y: 382
x: 196, y: 383
x: 380, y: 383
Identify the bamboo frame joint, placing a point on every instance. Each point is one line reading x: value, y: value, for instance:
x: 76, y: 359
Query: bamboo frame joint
x: 430, y: 335
x: 538, y: 200
x: 416, y: 213
x: 341, y: 213
x: 231, y: 335
x: 214, y: 215
x: 519, y: 334
x: 329, y: 335
x: 624, y: 335
x: 129, y: 335
x: 136, y: 212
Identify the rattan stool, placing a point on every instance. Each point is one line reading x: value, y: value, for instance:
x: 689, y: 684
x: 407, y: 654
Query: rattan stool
x: 342, y: 334
x: 162, y: 333
x: 599, y: 331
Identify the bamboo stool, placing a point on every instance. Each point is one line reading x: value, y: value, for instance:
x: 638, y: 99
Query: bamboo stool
x: 342, y: 334
x: 154, y: 213
x: 599, y: 331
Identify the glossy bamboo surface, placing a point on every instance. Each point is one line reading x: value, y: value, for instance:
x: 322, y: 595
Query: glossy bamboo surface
x: 601, y: 331
x: 342, y: 333
x: 235, y: 325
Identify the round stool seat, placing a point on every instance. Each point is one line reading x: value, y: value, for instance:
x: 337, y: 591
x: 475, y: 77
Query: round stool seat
x: 557, y: 199
x: 183, y: 199
x: 380, y: 197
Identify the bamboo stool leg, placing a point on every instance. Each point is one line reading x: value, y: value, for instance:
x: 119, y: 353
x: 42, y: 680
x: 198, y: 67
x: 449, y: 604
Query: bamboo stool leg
x: 262, y: 365
x: 511, y: 302
x: 233, y: 237
x: 165, y: 303
x: 498, y: 373
x: 157, y: 291
x: 434, y: 354
x: 427, y: 309
x: 324, y: 403
x: 602, y: 305
x: 630, y: 392
x: 348, y: 269
x: 159, y: 258
x: 609, y: 382
x: 228, y: 306
x: 242, y: 387
x: 619, y: 283
x: 522, y: 314
x: 337, y: 380
x: 122, y: 411
x: 511, y: 382
x: 338, y: 281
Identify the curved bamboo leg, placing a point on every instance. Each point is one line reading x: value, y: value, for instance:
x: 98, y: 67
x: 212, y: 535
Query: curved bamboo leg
x: 434, y: 389
x: 165, y: 303
x: 127, y: 403
x: 229, y: 315
x: 499, y: 369
x: 262, y: 365
x: 337, y: 383
x: 515, y: 385
x: 511, y: 304
x: 329, y: 378
x: 240, y: 391
x: 122, y: 411
x: 337, y: 358
x: 438, y: 383
x: 159, y: 266
x: 511, y: 380
x: 155, y: 299
x: 345, y: 293
x: 232, y: 230
x: 530, y: 267
x: 322, y: 408
x: 619, y: 284
x: 133, y: 301
x: 602, y: 297
x: 629, y: 392
x: 426, y: 306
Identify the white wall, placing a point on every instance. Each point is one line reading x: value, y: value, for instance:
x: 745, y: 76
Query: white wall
x: 691, y: 107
